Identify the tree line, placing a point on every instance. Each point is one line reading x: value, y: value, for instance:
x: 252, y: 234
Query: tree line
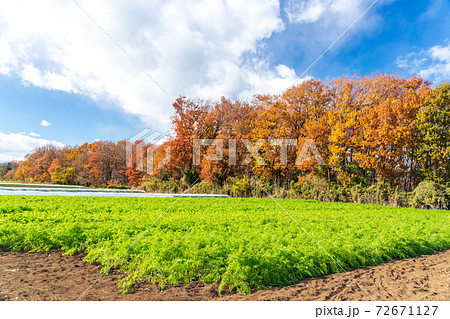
x: 372, y: 129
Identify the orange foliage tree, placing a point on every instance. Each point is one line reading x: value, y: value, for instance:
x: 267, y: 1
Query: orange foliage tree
x: 367, y: 129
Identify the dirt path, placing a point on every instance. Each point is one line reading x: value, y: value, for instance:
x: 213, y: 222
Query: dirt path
x: 53, y: 276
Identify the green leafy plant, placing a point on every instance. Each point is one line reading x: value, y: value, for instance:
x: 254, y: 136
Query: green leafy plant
x: 242, y: 243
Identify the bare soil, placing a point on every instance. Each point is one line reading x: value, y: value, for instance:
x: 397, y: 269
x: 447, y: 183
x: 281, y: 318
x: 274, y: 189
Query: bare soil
x: 54, y: 276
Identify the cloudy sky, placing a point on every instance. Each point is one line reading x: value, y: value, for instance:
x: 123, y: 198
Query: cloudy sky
x: 79, y: 71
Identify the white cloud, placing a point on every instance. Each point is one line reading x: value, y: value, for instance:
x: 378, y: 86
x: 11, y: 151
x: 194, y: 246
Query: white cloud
x: 305, y: 11
x: 33, y: 134
x: 274, y: 81
x: 323, y: 21
x: 45, y: 123
x: 441, y: 53
x: 15, y: 146
x: 310, y: 11
x: 191, y: 48
x: 432, y: 64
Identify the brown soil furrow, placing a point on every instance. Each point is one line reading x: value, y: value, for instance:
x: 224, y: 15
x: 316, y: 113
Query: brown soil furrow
x: 54, y: 276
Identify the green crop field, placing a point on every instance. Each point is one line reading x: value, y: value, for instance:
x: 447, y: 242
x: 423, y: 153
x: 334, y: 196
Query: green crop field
x: 242, y: 243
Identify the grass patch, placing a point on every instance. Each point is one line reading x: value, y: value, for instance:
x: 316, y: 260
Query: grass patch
x: 243, y: 243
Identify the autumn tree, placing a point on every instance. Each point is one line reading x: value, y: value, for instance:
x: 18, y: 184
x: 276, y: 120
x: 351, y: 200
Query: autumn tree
x: 373, y: 132
x: 61, y: 170
x: 135, y: 162
x: 389, y: 130
x: 229, y: 122
x: 188, y: 123
x: 105, y: 163
x: 307, y: 111
x: 7, y: 170
x: 36, y: 165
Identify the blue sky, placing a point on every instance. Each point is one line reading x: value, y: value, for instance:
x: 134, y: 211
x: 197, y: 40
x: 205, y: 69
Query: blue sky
x: 74, y: 118
x: 58, y: 66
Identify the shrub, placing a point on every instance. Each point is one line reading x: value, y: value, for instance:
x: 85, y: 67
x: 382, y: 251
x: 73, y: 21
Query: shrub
x: 189, y: 177
x: 281, y: 192
x: 312, y: 187
x: 337, y: 193
x: 118, y: 187
x: 241, y: 187
x: 379, y: 193
x: 399, y: 199
x: 262, y: 187
x: 356, y: 194
x: 429, y: 194
x: 206, y: 187
x: 170, y: 185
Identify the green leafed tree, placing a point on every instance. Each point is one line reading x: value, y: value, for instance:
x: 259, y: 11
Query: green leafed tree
x: 433, y: 122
